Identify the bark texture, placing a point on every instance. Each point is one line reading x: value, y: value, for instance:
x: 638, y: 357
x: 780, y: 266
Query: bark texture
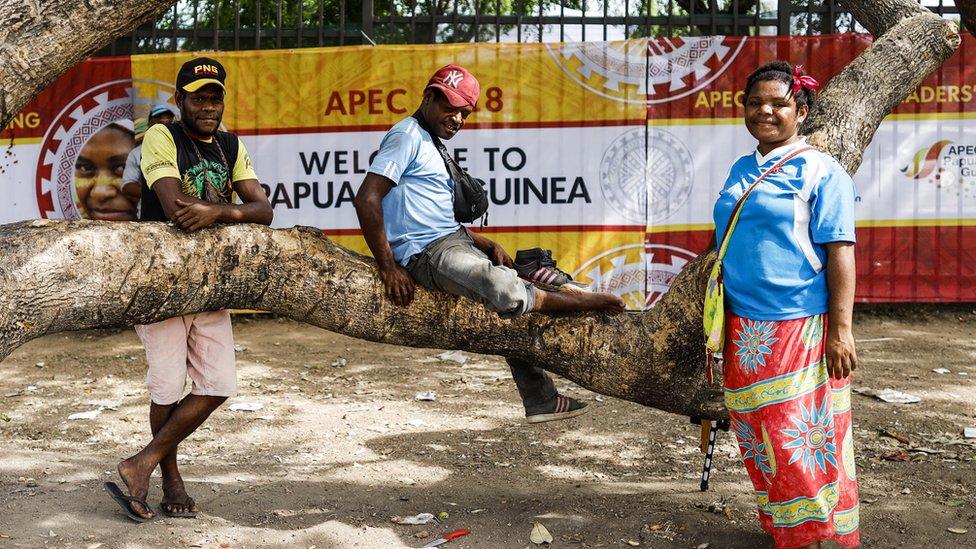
x: 911, y: 43
x: 58, y: 276
x: 71, y: 275
x: 40, y: 39
x: 878, y: 16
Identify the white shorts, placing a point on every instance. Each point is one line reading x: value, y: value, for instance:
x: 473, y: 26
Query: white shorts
x: 199, y: 345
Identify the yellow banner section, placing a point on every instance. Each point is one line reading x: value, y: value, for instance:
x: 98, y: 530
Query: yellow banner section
x: 365, y: 86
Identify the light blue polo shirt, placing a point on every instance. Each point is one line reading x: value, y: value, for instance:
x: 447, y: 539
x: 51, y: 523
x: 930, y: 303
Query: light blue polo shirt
x: 419, y: 209
x: 775, y: 266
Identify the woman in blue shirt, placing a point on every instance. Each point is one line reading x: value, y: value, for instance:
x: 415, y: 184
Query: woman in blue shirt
x: 789, y: 350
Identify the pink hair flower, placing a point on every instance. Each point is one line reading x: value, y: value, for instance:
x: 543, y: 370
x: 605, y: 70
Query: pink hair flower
x: 802, y: 81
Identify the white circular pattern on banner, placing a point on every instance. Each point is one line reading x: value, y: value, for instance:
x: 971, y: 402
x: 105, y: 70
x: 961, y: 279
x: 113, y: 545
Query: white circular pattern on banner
x: 647, y: 186
x: 647, y: 71
x: 640, y: 274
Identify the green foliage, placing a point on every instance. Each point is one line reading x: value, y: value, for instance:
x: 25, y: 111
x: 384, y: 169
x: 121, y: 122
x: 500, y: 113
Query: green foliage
x: 258, y: 24
x: 193, y: 24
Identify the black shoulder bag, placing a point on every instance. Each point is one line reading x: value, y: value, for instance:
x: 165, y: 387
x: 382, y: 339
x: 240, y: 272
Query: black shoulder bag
x: 470, y: 195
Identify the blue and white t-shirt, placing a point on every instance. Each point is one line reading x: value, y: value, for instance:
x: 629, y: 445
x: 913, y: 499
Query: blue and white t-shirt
x: 419, y: 209
x: 775, y: 265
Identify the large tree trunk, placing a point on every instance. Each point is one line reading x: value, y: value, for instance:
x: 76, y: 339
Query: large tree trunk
x: 39, y: 40
x: 58, y: 276
x: 911, y: 43
x: 70, y: 275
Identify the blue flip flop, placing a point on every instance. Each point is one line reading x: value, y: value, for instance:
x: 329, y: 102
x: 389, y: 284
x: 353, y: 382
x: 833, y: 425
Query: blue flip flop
x: 123, y: 500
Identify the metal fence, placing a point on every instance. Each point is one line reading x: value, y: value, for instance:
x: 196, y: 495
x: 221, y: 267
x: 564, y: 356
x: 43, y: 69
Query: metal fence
x: 255, y: 24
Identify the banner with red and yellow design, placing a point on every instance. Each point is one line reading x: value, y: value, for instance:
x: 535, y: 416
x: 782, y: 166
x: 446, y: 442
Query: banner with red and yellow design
x: 610, y: 154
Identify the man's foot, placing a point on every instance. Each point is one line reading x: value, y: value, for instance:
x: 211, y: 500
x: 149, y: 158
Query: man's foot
x: 179, y: 509
x: 125, y: 502
x: 558, y: 408
x: 176, y: 502
x: 136, y: 479
x: 568, y: 301
x: 596, y: 301
x: 575, y: 287
x: 608, y: 303
x: 538, y: 267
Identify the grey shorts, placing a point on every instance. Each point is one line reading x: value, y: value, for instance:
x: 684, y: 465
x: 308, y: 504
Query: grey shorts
x: 454, y: 265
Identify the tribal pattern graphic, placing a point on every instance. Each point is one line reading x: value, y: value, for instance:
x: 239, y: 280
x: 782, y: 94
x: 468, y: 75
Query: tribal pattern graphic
x: 813, y: 437
x: 751, y: 446
x: 755, y: 342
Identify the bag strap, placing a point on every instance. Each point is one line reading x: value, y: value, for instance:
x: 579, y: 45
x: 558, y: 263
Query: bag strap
x: 737, y: 209
x: 453, y: 168
x: 445, y: 156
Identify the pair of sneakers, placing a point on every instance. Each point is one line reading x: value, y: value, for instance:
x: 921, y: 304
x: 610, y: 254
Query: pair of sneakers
x: 538, y: 267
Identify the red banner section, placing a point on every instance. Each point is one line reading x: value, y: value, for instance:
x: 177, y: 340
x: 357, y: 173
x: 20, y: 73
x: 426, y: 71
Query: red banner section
x: 895, y: 264
x: 73, y: 90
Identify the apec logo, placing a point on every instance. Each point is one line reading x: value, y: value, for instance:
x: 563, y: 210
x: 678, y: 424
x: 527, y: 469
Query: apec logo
x: 647, y: 175
x: 647, y: 71
x: 78, y: 173
x: 946, y: 164
x: 640, y: 274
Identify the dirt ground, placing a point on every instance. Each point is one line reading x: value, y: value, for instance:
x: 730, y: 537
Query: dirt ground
x: 336, y: 451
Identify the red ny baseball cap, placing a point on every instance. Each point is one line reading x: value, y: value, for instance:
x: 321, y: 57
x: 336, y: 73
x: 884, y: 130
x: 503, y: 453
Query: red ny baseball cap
x: 459, y: 86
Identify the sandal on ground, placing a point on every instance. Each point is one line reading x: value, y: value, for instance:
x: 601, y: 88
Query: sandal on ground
x: 185, y: 514
x: 125, y: 502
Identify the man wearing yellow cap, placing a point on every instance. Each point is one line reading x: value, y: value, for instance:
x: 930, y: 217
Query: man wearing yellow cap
x: 192, y: 171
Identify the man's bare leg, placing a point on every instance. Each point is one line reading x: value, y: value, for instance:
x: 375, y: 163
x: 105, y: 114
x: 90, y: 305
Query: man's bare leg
x: 184, y: 418
x: 565, y: 301
x: 175, y: 499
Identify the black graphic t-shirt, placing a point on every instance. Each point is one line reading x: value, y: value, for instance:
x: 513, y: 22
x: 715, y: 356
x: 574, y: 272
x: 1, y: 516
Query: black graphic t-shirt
x: 167, y: 151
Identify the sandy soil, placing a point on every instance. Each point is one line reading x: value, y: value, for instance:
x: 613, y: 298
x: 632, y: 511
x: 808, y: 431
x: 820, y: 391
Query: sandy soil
x: 335, y: 452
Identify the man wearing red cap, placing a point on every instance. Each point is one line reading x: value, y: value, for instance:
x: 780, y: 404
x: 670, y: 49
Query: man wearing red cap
x: 192, y: 173
x: 405, y: 208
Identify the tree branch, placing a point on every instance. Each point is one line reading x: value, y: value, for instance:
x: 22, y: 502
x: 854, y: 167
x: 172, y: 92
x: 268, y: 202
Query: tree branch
x: 854, y: 103
x: 58, y: 276
x: 878, y: 16
x: 41, y: 40
x: 73, y: 275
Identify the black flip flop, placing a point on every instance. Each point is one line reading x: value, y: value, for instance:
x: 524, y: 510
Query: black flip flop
x: 185, y: 514
x: 124, y: 501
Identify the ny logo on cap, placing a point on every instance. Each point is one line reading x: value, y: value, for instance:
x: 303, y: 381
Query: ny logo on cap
x: 453, y: 78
